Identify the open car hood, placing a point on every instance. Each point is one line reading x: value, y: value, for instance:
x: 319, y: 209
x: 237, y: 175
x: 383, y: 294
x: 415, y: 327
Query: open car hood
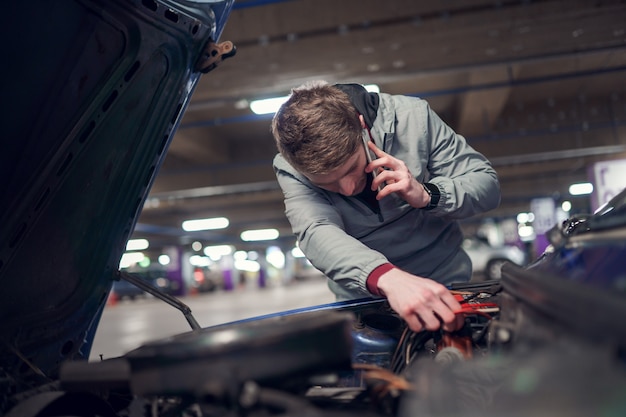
x: 93, y: 93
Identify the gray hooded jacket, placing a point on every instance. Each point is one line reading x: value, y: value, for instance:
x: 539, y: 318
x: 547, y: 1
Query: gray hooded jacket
x: 346, y: 240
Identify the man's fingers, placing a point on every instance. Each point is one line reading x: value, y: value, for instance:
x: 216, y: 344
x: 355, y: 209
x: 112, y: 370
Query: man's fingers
x: 414, y: 323
x: 430, y: 319
x: 377, y: 151
x: 450, y: 301
x: 456, y: 324
x: 451, y: 321
x: 446, y: 315
x: 422, y: 303
x: 459, y: 322
x: 439, y: 313
x: 431, y: 322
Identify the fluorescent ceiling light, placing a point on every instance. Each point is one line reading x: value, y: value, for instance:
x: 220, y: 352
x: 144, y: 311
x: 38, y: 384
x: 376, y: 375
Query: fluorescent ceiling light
x: 240, y: 255
x: 526, y: 233
x: 271, y: 105
x: 566, y: 206
x: 205, y: 224
x: 275, y: 257
x: 582, y: 188
x: 217, y: 251
x: 525, y: 217
x: 260, y: 234
x: 267, y: 105
x: 247, y: 265
x: 297, y: 253
x: 131, y: 258
x: 137, y: 244
x: 199, y: 261
x: 164, y: 260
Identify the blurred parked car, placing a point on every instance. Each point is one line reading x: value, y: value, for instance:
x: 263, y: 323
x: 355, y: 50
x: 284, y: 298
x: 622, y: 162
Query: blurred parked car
x: 487, y: 260
x: 207, y: 280
x: 125, y: 290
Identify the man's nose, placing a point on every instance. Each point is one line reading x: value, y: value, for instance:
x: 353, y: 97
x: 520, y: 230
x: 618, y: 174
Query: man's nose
x: 347, y: 186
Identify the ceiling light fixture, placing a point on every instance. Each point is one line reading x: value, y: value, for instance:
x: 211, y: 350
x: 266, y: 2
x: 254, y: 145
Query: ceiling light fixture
x: 247, y: 265
x: 523, y: 218
x: 566, y: 206
x: 582, y: 188
x: 131, y: 258
x: 217, y: 251
x: 137, y: 244
x: 271, y: 105
x: 164, y: 260
x: 200, y: 261
x: 259, y: 234
x: 267, y: 105
x: 205, y: 224
x: 275, y: 257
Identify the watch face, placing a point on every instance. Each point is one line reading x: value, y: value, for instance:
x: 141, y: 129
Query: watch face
x: 433, y: 191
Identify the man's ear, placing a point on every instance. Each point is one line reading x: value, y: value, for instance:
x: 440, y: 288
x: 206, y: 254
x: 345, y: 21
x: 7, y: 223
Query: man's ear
x: 362, y: 119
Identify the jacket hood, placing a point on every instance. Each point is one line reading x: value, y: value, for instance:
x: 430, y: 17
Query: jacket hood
x: 365, y: 102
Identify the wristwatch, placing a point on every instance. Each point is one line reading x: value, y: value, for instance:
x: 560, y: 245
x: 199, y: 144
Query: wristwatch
x: 433, y: 192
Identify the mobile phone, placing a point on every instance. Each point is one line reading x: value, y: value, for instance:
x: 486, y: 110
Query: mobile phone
x: 367, y: 137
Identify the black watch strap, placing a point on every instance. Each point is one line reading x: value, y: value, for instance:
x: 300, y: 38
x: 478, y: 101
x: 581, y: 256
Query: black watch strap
x: 434, y: 193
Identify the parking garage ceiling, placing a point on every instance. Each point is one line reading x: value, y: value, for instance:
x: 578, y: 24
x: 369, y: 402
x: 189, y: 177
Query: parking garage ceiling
x: 539, y: 87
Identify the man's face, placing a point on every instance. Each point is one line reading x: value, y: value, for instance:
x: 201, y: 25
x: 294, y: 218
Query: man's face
x: 348, y: 179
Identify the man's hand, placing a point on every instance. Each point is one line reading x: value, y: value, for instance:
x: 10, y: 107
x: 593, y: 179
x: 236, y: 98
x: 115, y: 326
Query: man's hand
x: 423, y: 303
x: 394, y: 177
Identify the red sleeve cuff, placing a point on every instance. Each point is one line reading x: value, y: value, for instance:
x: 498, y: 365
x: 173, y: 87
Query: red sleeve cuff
x: 372, y: 279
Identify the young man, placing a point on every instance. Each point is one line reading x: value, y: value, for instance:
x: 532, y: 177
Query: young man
x: 387, y: 227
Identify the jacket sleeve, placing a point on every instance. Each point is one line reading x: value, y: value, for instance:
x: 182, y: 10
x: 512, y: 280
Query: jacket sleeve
x: 468, y: 183
x: 320, y: 233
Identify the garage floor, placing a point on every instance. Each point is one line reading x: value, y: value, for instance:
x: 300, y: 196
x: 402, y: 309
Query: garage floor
x: 127, y: 324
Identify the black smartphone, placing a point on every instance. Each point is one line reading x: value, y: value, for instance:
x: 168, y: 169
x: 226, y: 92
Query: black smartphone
x: 367, y: 137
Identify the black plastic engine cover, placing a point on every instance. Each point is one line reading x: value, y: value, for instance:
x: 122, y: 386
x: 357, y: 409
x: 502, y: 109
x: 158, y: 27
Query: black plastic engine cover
x: 269, y: 350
